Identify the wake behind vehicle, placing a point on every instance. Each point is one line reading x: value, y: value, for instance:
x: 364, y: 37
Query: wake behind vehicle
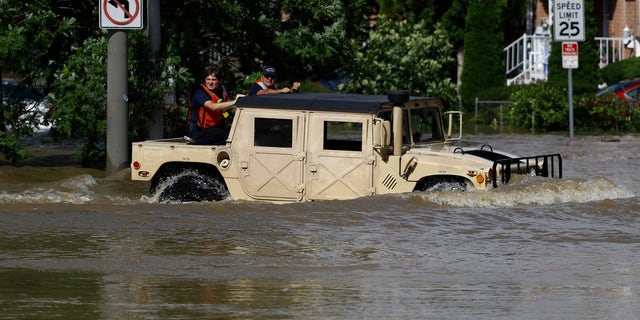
x: 328, y: 146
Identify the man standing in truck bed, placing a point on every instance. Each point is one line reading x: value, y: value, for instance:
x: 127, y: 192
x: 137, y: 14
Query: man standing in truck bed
x: 207, y: 103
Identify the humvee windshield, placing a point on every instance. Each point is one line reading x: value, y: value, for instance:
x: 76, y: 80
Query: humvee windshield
x: 425, y: 125
x: 420, y: 125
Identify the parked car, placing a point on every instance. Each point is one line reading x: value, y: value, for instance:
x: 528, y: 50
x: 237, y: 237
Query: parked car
x: 627, y: 90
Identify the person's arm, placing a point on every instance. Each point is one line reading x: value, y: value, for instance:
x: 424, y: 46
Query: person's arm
x: 295, y: 87
x: 221, y: 105
x: 274, y: 91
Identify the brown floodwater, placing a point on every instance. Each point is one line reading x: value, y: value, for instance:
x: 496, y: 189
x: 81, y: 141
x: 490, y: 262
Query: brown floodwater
x: 76, y: 244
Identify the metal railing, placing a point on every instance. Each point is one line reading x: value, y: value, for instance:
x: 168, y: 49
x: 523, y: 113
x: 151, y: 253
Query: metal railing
x: 612, y: 50
x: 527, y: 57
x: 549, y: 165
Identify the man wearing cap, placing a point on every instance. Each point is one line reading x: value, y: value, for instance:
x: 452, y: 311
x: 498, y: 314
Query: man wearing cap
x: 267, y: 83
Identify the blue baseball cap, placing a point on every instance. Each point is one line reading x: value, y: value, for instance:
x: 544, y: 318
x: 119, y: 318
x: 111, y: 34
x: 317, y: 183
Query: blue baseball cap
x: 269, y: 71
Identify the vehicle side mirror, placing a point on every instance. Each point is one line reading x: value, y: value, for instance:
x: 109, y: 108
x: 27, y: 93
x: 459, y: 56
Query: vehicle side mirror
x: 381, y: 133
x: 453, y: 125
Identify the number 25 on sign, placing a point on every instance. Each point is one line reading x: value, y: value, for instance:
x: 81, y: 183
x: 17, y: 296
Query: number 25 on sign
x: 569, y: 20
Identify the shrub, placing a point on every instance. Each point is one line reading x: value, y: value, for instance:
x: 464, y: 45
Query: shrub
x: 621, y: 70
x: 607, y: 113
x: 548, y: 103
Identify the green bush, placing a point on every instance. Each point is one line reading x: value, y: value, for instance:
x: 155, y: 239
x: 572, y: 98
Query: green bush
x: 621, y: 70
x: 548, y: 104
x: 607, y: 113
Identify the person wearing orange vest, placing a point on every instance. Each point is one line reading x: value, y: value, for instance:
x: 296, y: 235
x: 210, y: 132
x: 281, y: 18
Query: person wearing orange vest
x: 207, y: 104
x: 267, y: 83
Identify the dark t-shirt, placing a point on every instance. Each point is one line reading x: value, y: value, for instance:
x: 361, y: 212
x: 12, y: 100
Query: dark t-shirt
x: 255, y: 87
x: 198, y: 98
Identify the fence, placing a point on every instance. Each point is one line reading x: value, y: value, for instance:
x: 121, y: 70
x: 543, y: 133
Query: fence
x: 500, y: 121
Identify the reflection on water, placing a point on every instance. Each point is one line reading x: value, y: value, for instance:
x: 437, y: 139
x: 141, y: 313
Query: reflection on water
x: 77, y: 244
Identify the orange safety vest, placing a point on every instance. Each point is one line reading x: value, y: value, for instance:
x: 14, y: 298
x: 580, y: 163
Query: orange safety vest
x: 209, y: 118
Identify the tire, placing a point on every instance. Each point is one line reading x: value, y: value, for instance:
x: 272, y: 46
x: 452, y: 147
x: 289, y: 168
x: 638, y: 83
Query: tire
x: 190, y: 185
x: 442, y: 183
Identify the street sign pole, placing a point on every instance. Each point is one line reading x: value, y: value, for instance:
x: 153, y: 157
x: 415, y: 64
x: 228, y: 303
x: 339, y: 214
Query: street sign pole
x: 117, y: 102
x: 570, y: 61
x: 570, y: 80
x: 116, y: 16
x: 569, y: 26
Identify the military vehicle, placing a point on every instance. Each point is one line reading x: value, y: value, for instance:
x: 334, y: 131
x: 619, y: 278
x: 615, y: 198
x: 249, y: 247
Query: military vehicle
x: 327, y: 146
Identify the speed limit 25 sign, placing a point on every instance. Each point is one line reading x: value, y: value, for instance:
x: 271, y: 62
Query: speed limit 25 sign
x: 568, y: 20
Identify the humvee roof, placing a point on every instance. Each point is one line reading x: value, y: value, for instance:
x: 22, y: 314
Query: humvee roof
x: 316, y: 102
x: 319, y: 102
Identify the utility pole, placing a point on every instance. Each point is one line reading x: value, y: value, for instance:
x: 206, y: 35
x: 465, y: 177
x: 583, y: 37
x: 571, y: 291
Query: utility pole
x: 117, y: 102
x: 116, y: 16
x: 156, y: 121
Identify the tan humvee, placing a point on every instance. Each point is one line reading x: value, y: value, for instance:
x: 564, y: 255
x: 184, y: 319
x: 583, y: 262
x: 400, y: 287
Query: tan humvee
x: 319, y: 146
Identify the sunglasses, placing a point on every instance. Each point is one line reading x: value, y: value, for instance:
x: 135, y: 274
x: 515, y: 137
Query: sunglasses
x: 269, y: 76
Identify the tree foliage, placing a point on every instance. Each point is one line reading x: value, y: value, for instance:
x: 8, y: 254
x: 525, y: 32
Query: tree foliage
x: 80, y: 96
x: 56, y: 43
x: 400, y: 55
x: 324, y: 45
x: 303, y: 39
x: 35, y: 40
x: 483, y: 49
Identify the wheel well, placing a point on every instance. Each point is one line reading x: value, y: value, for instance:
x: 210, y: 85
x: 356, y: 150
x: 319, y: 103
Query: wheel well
x: 428, y: 182
x: 170, y: 169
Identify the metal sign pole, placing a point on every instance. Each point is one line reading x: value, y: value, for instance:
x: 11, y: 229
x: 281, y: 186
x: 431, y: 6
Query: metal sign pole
x: 116, y: 17
x: 570, y: 79
x: 117, y: 102
x: 568, y: 21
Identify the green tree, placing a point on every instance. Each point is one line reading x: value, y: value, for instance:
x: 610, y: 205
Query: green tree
x: 324, y: 46
x: 453, y: 21
x: 80, y: 94
x: 428, y: 11
x: 400, y: 55
x: 483, y: 50
x: 303, y: 39
x: 45, y: 42
x: 35, y: 39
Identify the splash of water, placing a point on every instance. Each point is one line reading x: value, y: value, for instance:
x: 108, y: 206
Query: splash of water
x: 527, y: 190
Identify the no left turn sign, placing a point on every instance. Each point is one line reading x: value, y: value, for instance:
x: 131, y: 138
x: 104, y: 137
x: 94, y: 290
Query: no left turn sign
x: 120, y: 14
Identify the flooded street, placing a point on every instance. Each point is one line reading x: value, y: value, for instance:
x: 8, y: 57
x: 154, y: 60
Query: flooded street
x: 75, y: 244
